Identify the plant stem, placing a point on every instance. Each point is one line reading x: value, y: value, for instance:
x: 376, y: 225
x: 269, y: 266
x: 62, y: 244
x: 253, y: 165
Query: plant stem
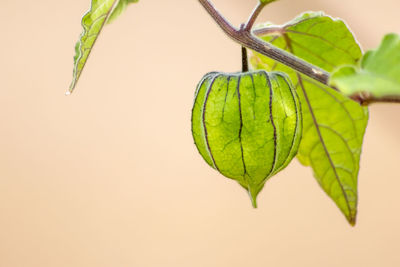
x: 367, y: 99
x: 247, y: 39
x: 244, y: 37
x: 253, y: 16
x: 245, y: 61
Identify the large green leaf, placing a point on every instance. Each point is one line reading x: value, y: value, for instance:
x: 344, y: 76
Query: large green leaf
x: 101, y: 12
x: 333, y: 125
x: 377, y: 76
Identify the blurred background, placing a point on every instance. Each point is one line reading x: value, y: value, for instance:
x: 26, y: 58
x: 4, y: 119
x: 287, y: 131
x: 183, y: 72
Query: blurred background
x: 110, y: 177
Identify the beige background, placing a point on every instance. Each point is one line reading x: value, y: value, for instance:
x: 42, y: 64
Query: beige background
x: 110, y: 176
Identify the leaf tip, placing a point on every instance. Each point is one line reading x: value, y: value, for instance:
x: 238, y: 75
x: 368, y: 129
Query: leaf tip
x: 352, y: 218
x: 352, y: 221
x: 71, y: 87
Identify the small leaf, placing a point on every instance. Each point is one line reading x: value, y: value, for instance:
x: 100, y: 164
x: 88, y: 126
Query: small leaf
x: 333, y: 125
x: 120, y: 8
x: 101, y: 12
x: 267, y: 1
x: 378, y: 75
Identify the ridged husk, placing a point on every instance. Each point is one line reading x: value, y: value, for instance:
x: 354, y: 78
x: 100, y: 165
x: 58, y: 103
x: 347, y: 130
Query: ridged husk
x: 247, y: 125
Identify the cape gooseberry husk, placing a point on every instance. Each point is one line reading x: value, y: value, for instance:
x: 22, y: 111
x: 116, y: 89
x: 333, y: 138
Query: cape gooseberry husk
x: 247, y: 125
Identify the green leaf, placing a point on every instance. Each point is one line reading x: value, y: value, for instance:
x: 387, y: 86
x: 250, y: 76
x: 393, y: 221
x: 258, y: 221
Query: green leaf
x: 267, y: 1
x: 120, y: 8
x: 101, y: 12
x: 378, y: 75
x: 333, y: 125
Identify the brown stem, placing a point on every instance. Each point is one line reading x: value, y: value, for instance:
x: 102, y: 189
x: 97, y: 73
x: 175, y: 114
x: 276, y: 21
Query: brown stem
x: 247, y: 39
x: 268, y: 30
x: 253, y: 16
x: 367, y: 99
x: 245, y: 61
